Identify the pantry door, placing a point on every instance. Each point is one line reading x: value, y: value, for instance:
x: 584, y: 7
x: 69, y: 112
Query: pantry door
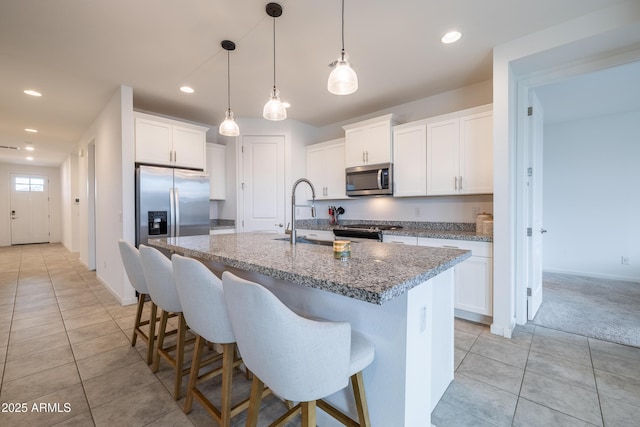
x: 29, y: 209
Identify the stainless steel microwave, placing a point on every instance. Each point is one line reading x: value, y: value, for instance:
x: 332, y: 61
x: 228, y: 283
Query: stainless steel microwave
x: 370, y: 180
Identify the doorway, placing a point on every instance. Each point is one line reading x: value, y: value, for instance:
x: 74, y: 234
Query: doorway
x: 588, y: 152
x: 30, y: 215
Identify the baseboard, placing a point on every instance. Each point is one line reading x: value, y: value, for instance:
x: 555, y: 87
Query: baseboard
x: 473, y: 317
x: 125, y: 301
x: 593, y: 275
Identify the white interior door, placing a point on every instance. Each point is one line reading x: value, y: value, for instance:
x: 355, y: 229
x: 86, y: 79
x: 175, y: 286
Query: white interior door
x: 29, y: 209
x: 534, y: 279
x: 262, y: 184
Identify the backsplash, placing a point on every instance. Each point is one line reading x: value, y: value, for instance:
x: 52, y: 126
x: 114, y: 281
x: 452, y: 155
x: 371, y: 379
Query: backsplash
x: 323, y: 224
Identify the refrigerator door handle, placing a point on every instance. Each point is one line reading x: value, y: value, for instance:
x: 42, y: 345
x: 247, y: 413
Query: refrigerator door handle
x: 177, y: 221
x: 172, y: 213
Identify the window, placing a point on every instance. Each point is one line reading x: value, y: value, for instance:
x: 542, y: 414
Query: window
x: 29, y: 184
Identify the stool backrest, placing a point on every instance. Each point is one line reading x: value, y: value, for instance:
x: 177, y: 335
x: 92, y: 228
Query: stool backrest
x: 298, y: 358
x: 158, y: 273
x: 133, y: 266
x: 202, y: 300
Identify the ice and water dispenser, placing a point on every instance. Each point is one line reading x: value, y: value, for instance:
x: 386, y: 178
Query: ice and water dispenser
x: 157, y: 223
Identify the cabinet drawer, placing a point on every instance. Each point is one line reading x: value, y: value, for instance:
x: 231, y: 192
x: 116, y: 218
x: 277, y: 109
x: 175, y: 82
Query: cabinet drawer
x: 483, y: 249
x: 401, y: 240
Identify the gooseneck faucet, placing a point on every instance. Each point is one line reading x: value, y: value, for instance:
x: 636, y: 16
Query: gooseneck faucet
x: 294, y: 206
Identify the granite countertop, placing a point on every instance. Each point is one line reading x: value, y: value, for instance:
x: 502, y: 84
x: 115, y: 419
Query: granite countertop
x: 375, y: 272
x: 436, y: 230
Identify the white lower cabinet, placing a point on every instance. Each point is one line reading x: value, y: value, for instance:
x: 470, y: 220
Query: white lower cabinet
x: 222, y: 231
x: 316, y: 234
x: 473, y: 277
x: 400, y: 240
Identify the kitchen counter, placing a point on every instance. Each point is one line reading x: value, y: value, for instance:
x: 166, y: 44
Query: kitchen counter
x: 400, y: 297
x: 375, y: 272
x: 436, y: 230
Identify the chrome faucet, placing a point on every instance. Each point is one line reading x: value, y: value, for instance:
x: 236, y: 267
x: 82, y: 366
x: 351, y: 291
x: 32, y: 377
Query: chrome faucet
x: 294, y: 206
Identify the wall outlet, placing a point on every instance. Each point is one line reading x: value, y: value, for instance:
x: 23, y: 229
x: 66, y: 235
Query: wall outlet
x: 625, y: 260
x: 417, y: 212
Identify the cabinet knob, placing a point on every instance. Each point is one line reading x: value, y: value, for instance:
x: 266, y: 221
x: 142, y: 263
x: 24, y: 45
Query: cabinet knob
x: 542, y: 231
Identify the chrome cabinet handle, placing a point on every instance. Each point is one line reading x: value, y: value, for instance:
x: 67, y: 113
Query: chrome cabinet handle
x: 455, y: 182
x: 363, y: 160
x: 367, y: 156
x: 460, y: 182
x: 542, y: 231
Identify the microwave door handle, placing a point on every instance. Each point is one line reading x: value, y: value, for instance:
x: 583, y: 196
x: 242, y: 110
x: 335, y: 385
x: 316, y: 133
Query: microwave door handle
x: 379, y: 179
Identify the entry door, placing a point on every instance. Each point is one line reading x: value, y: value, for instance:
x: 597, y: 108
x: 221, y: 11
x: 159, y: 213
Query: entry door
x: 534, y: 291
x: 262, y: 183
x: 29, y: 209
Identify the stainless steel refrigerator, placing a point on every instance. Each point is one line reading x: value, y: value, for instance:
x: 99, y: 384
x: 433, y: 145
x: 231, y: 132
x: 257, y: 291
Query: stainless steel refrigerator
x: 170, y: 203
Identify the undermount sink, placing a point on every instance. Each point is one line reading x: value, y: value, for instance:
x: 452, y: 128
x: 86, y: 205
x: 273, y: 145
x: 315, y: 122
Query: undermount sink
x: 310, y: 241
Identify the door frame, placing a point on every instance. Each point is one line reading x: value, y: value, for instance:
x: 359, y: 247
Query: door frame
x: 525, y: 86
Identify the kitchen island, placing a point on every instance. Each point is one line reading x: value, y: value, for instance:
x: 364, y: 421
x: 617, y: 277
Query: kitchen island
x: 399, y: 297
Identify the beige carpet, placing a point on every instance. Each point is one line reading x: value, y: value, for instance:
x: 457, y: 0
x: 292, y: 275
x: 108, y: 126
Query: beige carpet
x: 598, y: 308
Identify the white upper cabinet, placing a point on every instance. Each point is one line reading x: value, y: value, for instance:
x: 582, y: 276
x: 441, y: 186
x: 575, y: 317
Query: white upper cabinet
x: 325, y: 169
x: 166, y: 142
x: 410, y: 160
x: 460, y: 155
x: 217, y: 170
x: 369, y: 142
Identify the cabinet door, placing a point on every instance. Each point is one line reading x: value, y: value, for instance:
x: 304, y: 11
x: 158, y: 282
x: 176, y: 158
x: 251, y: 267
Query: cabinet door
x: 377, y: 144
x: 216, y: 168
x: 189, y: 147
x: 354, y: 147
x: 153, y: 142
x: 334, y: 169
x: 476, y: 154
x: 442, y: 157
x: 410, y: 161
x: 474, y: 285
x: 316, y: 172
x: 400, y: 240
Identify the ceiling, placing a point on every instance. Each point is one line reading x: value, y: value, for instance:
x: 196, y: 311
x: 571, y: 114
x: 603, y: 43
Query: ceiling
x: 77, y: 53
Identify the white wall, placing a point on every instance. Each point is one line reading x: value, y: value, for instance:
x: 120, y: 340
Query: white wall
x: 55, y: 207
x: 591, y: 179
x: 70, y: 209
x: 113, y: 134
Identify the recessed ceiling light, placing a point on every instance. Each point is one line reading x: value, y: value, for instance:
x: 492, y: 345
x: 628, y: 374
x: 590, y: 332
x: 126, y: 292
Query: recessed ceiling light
x: 31, y: 130
x: 32, y: 92
x: 186, y: 89
x: 451, y: 37
x: 29, y: 158
x: 29, y: 148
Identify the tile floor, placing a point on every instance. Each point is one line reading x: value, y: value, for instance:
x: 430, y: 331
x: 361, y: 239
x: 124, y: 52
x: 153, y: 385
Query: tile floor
x: 65, y: 340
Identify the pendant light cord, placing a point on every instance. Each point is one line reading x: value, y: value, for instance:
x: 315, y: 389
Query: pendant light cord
x: 274, y: 55
x: 343, y: 30
x: 228, y: 82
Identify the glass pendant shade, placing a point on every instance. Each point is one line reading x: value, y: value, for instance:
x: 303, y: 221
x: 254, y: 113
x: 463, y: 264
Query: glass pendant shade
x: 343, y: 79
x: 274, y: 109
x: 229, y: 127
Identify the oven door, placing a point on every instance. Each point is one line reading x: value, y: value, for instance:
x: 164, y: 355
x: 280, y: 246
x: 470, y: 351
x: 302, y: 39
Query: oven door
x: 369, y: 180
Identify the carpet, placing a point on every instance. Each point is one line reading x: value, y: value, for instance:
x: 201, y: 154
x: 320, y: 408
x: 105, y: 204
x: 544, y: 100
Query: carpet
x: 605, y: 309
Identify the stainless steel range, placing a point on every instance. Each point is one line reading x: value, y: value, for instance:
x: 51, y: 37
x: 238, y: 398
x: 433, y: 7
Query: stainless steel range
x: 357, y: 232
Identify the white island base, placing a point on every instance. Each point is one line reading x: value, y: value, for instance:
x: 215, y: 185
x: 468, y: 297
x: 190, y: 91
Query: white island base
x: 413, y: 339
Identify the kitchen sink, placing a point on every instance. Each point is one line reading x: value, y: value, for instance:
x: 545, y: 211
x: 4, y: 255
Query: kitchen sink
x: 310, y: 241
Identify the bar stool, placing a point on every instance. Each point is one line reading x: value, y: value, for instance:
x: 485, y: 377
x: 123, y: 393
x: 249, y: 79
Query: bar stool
x: 158, y: 273
x: 299, y: 359
x: 133, y: 267
x: 202, y: 300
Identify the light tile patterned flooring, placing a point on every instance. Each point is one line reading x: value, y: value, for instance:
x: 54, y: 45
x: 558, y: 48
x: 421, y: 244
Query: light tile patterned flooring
x: 65, y: 339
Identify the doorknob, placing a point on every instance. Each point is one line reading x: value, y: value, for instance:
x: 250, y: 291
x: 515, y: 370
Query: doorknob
x: 542, y: 231
x: 279, y: 225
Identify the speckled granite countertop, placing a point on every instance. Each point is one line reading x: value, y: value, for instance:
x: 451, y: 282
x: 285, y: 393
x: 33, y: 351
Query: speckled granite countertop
x: 375, y: 272
x: 436, y: 230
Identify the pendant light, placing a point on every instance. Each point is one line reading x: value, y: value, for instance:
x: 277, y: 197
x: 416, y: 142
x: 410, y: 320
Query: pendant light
x: 274, y: 109
x: 229, y: 127
x: 343, y: 79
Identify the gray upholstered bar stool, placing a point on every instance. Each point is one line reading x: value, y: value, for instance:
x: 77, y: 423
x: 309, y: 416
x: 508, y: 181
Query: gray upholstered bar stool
x: 158, y: 273
x: 133, y: 267
x: 299, y: 359
x: 202, y: 300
